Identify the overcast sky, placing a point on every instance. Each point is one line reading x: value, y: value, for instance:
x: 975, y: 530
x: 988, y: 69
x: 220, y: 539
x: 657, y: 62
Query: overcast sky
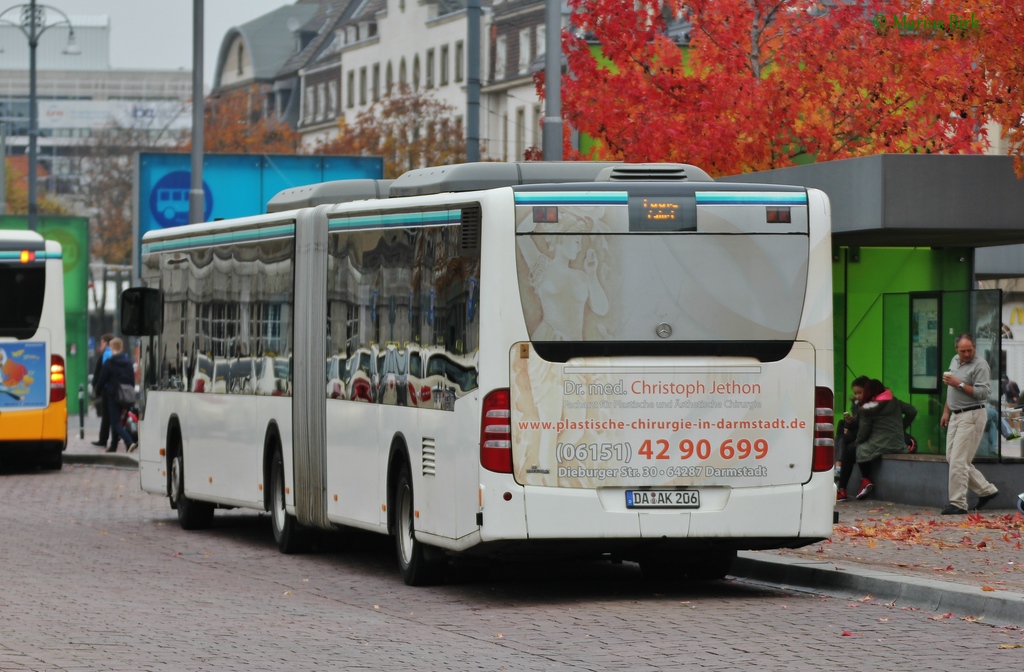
x: 158, y: 33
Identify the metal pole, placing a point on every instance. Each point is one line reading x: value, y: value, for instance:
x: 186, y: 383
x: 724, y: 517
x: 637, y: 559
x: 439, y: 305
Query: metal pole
x: 81, y: 411
x: 33, y: 116
x: 473, y: 80
x: 3, y: 167
x: 196, y: 204
x: 551, y: 137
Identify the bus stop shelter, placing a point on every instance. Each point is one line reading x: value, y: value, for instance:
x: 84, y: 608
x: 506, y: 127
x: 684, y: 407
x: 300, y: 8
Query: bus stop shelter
x: 912, y: 234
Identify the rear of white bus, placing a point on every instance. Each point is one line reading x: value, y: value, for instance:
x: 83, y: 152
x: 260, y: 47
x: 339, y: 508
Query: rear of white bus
x: 672, y: 397
x: 33, y: 402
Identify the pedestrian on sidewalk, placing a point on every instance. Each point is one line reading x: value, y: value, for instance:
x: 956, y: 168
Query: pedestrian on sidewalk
x: 847, y: 437
x: 102, y: 355
x: 884, y: 421
x: 116, y: 372
x: 967, y: 390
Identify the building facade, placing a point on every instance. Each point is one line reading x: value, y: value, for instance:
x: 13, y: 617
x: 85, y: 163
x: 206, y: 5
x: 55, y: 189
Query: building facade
x: 79, y: 94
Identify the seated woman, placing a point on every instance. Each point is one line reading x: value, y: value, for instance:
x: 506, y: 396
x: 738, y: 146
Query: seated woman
x: 884, y: 420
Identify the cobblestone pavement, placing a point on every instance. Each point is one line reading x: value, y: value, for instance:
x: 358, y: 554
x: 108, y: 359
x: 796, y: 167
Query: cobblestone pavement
x: 97, y: 575
x: 982, y: 550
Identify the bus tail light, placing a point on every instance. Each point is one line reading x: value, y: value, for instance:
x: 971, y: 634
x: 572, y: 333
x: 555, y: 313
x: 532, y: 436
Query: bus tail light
x: 58, y: 389
x: 496, y: 432
x: 824, y: 458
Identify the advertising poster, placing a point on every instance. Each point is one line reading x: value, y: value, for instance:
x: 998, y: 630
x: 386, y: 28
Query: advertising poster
x: 23, y: 370
x: 586, y: 425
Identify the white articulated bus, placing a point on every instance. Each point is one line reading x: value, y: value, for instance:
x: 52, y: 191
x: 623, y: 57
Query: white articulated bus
x: 33, y: 399
x: 499, y: 359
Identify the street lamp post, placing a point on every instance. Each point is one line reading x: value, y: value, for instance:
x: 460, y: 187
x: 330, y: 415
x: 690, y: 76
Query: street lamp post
x: 33, y: 24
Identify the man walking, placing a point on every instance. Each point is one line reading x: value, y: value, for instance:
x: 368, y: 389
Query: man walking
x: 117, y: 371
x: 102, y: 355
x: 967, y: 384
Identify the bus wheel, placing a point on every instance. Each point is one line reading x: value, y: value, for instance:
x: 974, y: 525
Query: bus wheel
x: 54, y: 460
x: 421, y: 565
x: 289, y: 535
x: 192, y: 515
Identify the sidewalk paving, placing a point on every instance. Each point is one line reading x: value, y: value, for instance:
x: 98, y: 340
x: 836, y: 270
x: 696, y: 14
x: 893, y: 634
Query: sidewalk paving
x: 969, y: 567
x: 81, y: 451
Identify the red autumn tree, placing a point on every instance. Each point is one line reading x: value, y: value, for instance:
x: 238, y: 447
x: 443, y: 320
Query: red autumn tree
x: 237, y: 122
x: 408, y: 128
x: 766, y: 83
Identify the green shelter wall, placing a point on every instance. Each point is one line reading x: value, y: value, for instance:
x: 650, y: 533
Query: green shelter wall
x: 870, y: 342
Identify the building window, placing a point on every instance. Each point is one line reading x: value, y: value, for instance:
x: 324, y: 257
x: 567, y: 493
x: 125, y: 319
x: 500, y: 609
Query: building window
x: 350, y: 87
x: 321, y: 101
x: 376, y: 82
x: 430, y: 69
x: 458, y: 60
x: 520, y: 133
x: 309, y: 104
x: 389, y: 81
x: 443, y: 77
x: 535, y: 135
x: 416, y: 73
x: 401, y: 73
x: 541, y: 40
x: 362, y: 85
x: 241, y: 51
x: 524, y: 51
x: 500, y: 58
x: 332, y: 98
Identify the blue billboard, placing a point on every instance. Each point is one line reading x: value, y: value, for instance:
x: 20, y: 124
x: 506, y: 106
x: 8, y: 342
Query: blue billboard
x: 234, y: 185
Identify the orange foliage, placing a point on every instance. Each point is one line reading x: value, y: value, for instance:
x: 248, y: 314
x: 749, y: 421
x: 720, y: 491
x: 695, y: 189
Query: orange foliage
x: 769, y: 83
x: 236, y: 122
x: 410, y: 129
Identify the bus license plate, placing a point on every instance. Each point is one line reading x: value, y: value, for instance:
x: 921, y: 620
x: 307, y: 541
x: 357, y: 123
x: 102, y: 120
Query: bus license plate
x: 662, y: 499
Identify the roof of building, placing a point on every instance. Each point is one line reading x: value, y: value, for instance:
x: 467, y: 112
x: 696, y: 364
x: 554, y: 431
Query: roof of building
x: 321, y: 27
x: 269, y: 39
x: 909, y: 200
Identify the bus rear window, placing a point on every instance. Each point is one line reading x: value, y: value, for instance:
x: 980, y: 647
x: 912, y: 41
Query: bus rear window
x: 21, y: 300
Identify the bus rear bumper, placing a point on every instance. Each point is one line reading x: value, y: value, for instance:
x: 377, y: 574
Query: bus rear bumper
x: 740, y: 518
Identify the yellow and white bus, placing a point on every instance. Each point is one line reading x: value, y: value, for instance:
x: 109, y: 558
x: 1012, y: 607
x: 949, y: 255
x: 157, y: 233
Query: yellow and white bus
x: 632, y: 361
x: 33, y: 399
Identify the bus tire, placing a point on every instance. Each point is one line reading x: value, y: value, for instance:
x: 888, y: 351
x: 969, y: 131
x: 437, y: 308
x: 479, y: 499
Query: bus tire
x: 420, y: 564
x: 54, y: 460
x: 192, y: 515
x: 289, y: 535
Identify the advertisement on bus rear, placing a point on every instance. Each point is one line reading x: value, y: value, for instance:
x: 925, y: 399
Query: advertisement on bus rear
x: 23, y: 371
x: 739, y: 423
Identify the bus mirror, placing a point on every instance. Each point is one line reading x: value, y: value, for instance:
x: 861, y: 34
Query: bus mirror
x: 141, y: 311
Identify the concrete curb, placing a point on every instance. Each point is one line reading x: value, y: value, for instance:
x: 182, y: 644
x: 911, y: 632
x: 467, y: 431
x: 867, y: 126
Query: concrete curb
x: 998, y: 607
x: 106, y: 459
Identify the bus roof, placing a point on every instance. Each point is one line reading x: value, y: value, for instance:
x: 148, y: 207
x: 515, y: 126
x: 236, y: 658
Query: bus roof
x: 479, y: 176
x: 325, y: 193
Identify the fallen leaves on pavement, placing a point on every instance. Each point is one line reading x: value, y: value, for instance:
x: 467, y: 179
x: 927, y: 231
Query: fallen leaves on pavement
x: 937, y: 532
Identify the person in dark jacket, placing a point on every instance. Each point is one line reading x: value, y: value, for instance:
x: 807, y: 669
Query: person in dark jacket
x: 102, y: 355
x: 884, y: 420
x: 117, y: 371
x: 846, y: 438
